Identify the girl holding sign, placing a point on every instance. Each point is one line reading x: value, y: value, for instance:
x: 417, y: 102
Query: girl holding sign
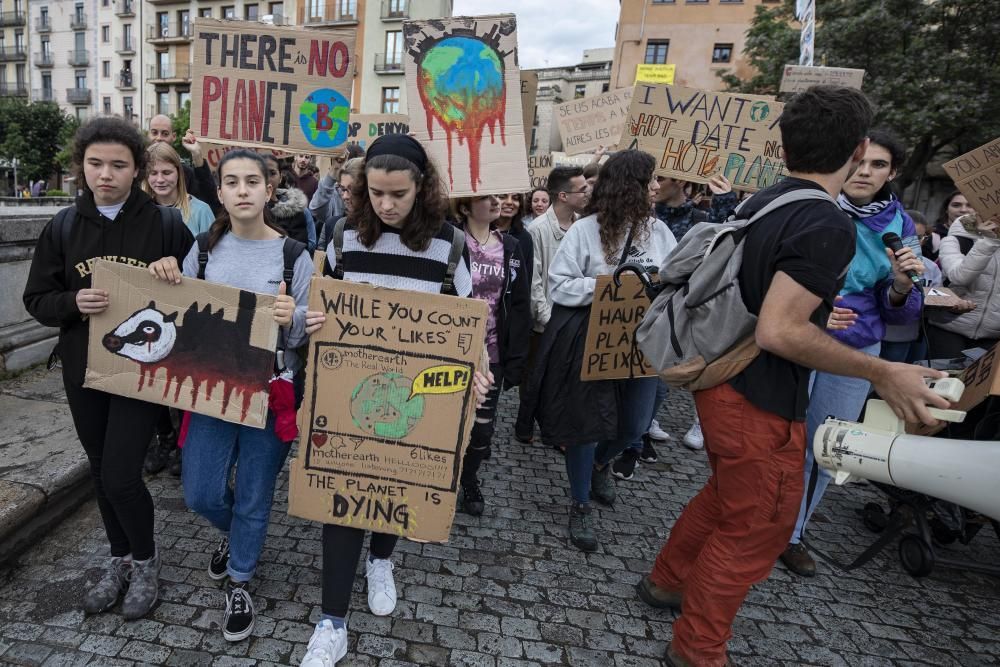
x: 244, y: 235
x: 500, y: 278
x: 396, y: 237
x: 597, y: 420
x: 112, y: 218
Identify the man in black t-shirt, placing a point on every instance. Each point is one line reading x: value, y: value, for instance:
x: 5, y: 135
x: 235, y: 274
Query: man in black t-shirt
x: 794, y: 263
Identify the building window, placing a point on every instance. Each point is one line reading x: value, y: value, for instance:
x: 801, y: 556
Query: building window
x: 184, y: 23
x: 722, y: 53
x: 390, y: 100
x: 163, y: 64
x: 663, y: 2
x: 183, y: 98
x: 19, y: 41
x: 78, y: 12
x: 605, y: 87
x: 205, y: 12
x: 46, y: 49
x: 127, y: 37
x: 229, y: 12
x: 347, y: 9
x: 106, y: 103
x: 163, y: 102
x: 162, y: 24
x: 127, y: 107
x: 656, y: 51
x: 394, y: 47
x: 20, y: 75
x: 106, y: 69
x: 105, y: 34
x: 277, y: 10
x: 250, y: 12
x: 80, y: 77
x: 580, y: 90
x: 314, y: 10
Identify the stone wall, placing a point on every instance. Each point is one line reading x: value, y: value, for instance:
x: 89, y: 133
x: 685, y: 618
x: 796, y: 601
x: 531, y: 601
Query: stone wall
x: 23, y: 342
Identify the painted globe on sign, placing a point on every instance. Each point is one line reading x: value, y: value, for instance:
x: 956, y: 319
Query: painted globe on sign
x: 381, y: 406
x: 759, y: 111
x: 323, y: 117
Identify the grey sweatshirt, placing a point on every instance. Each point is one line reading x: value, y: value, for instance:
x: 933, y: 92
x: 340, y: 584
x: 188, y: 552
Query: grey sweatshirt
x: 580, y: 259
x: 257, y: 266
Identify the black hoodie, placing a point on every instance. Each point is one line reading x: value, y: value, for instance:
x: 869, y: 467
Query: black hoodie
x: 136, y: 237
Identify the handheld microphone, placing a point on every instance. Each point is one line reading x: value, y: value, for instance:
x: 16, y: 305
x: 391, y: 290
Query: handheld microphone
x: 895, y: 244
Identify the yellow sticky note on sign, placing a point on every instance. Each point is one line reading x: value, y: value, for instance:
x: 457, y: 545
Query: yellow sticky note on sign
x: 444, y: 379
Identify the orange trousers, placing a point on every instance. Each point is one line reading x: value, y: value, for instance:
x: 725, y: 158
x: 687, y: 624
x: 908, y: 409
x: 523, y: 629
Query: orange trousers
x: 731, y: 533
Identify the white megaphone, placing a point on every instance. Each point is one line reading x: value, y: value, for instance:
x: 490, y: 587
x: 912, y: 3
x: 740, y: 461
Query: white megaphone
x: 963, y: 472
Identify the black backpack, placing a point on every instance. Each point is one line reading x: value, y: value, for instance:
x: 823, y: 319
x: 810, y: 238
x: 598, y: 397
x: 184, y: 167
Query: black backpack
x: 291, y: 251
x: 447, y: 285
x: 62, y: 224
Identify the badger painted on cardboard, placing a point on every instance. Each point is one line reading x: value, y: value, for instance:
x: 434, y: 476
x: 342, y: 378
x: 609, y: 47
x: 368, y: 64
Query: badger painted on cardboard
x: 198, y: 346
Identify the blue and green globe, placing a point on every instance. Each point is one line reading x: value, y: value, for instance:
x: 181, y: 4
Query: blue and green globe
x: 323, y: 117
x: 381, y: 406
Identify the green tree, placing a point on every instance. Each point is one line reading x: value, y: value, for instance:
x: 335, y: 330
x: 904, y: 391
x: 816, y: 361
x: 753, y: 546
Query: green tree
x: 32, y: 134
x: 932, y: 69
x: 181, y: 121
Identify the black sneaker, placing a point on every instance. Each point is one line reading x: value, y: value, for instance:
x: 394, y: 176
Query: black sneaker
x: 648, y: 454
x: 175, y: 462
x: 217, y: 567
x: 158, y: 452
x: 624, y: 466
x: 472, y: 499
x: 239, y: 620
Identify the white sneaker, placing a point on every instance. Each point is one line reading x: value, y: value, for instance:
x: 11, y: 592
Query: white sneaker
x: 694, y: 439
x: 381, y: 587
x: 327, y: 645
x: 657, y: 433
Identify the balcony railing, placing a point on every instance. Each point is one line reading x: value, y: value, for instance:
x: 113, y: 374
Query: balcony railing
x: 79, y: 58
x: 78, y: 22
x: 43, y: 95
x: 168, y: 73
x: 341, y: 11
x: 9, y: 19
x: 395, y: 10
x: 166, y: 32
x: 78, y: 95
x: 12, y: 54
x: 125, y: 8
x: 125, y: 80
x: 13, y: 90
x: 43, y: 24
x: 44, y: 60
x: 124, y: 45
x: 390, y: 63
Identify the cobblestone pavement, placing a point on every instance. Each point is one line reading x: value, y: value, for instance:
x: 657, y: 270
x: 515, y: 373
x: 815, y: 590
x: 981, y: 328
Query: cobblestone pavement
x: 507, y: 590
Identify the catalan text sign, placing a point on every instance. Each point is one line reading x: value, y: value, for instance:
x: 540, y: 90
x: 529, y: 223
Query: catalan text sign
x: 197, y: 346
x: 261, y: 85
x: 611, y: 352
x: 589, y: 123
x: 529, y: 93
x: 695, y: 134
x: 388, y: 409
x: 539, y: 168
x: 366, y: 128
x: 655, y: 73
x: 463, y: 95
x: 977, y: 176
x: 797, y: 78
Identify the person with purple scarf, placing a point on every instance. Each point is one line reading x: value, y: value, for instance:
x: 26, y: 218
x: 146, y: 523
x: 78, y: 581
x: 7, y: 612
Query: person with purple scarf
x: 877, y: 291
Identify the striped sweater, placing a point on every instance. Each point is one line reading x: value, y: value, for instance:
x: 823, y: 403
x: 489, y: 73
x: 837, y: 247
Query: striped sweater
x: 391, y: 264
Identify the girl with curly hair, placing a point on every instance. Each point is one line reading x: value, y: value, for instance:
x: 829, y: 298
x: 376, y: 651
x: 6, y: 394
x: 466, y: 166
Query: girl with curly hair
x: 596, y: 420
x: 395, y: 236
x: 115, y: 220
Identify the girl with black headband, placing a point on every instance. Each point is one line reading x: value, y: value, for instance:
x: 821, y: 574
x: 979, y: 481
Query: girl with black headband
x: 395, y: 236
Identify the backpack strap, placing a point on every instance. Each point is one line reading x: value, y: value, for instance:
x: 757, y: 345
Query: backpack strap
x: 800, y: 194
x: 170, y: 217
x: 291, y: 250
x: 202, y: 241
x: 457, y: 249
x: 62, y: 225
x: 338, y: 248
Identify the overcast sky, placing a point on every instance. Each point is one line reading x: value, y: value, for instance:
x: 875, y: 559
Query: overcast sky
x: 552, y: 32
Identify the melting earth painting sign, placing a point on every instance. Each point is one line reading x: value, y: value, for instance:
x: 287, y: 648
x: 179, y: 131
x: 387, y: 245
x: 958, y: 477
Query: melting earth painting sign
x: 463, y: 90
x: 197, y: 346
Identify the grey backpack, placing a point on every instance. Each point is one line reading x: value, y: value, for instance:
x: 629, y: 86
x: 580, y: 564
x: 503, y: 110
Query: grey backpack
x: 698, y: 332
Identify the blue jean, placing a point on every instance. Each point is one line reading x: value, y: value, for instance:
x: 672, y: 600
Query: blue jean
x: 909, y: 352
x: 211, y: 450
x: 579, y: 466
x: 661, y: 395
x: 829, y: 396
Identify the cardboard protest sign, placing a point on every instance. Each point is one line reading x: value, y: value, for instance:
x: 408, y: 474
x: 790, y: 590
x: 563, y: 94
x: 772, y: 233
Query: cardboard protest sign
x: 611, y: 352
x: 197, y: 346
x: 529, y: 92
x: 463, y: 87
x: 260, y: 85
x: 366, y: 128
x: 388, y: 408
x: 981, y: 379
x: 977, y: 176
x: 655, y: 73
x: 560, y: 159
x: 539, y: 168
x: 589, y: 123
x: 940, y: 297
x: 797, y: 78
x: 319, y: 261
x: 214, y: 153
x: 695, y: 134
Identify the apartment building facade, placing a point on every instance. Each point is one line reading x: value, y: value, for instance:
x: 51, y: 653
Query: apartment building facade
x: 700, y: 37
x: 14, y: 79
x: 591, y: 76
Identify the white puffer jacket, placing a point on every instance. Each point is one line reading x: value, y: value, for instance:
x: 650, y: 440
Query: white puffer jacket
x: 976, y: 277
